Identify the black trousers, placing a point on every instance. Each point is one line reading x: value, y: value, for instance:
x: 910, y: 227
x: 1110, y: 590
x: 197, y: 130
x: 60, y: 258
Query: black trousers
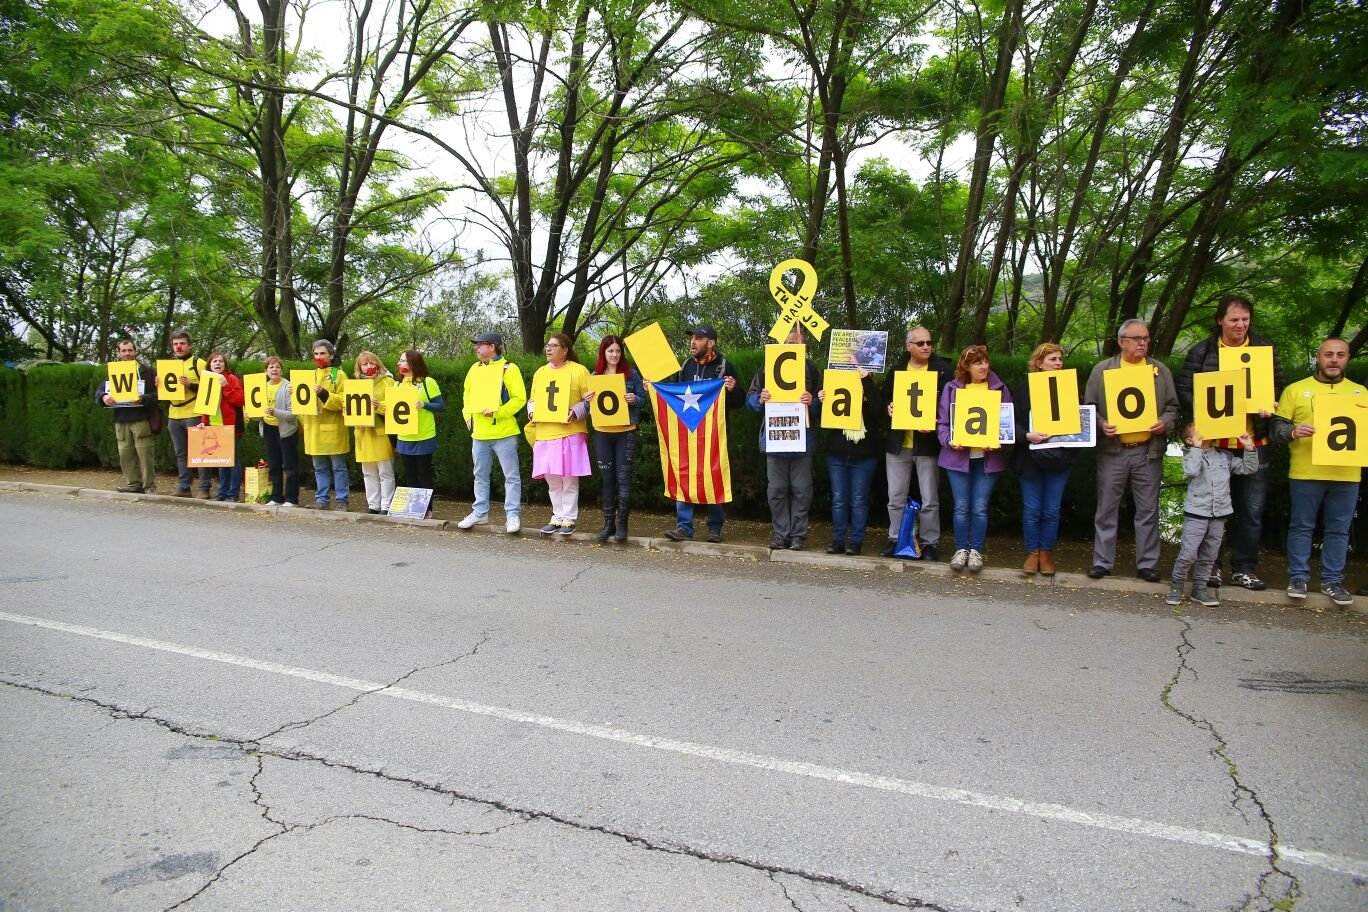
x: 282, y: 455
x: 615, y: 454
x: 417, y: 470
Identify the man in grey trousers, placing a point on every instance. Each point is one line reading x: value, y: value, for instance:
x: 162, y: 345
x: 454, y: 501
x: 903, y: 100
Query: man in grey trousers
x: 789, y: 474
x: 906, y: 452
x: 1132, y: 461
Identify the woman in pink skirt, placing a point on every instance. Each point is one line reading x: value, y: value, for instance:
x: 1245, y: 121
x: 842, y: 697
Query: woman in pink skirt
x: 560, y: 442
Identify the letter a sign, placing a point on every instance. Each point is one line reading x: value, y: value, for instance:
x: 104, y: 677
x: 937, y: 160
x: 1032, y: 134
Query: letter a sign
x: 1341, y: 424
x: 976, y: 417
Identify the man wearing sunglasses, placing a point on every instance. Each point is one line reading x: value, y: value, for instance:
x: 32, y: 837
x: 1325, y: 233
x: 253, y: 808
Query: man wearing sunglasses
x: 915, y: 451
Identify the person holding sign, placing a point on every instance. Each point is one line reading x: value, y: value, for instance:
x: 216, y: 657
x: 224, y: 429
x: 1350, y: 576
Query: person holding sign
x: 372, y: 444
x: 560, y: 451
x: 133, y: 416
x: 791, y: 378
x: 1325, y: 488
x: 1206, y: 507
x: 417, y: 447
x: 280, y: 434
x: 178, y: 382
x: 851, y: 458
x: 970, y: 452
x: 229, y: 413
x: 705, y: 363
x: 493, y: 395
x: 1130, y: 460
x: 915, y: 452
x: 615, y: 444
x: 326, y: 440
x: 1042, y: 474
x: 1232, y: 337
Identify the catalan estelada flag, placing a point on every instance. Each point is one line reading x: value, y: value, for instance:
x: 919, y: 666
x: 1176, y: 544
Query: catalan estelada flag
x: 691, y: 419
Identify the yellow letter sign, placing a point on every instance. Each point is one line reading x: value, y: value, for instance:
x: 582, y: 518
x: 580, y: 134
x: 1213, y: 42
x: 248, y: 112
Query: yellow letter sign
x: 785, y: 376
x: 843, y: 403
x: 914, y: 400
x: 1132, y: 401
x: 976, y: 419
x: 1054, y: 403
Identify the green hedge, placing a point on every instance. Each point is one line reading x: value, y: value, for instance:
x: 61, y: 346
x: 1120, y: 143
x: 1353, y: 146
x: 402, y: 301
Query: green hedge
x: 49, y: 418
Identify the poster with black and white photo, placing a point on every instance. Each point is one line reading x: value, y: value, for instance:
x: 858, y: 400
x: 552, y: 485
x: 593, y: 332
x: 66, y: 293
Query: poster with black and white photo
x: 785, y: 427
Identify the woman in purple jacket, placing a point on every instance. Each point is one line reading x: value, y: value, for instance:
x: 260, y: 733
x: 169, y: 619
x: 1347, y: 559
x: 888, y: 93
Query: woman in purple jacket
x: 972, y: 471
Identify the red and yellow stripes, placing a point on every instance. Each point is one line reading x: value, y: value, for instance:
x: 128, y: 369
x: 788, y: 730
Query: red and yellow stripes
x: 694, y: 465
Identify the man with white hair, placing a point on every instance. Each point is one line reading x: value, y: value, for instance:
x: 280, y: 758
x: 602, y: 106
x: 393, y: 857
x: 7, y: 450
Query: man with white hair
x: 1132, y: 461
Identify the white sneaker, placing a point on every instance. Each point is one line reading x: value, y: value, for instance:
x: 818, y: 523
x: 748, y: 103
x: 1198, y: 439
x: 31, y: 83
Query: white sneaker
x: 975, y: 562
x: 472, y: 520
x: 959, y: 559
x: 514, y: 525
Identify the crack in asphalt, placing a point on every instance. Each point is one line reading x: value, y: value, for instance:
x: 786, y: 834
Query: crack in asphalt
x: 1278, y: 888
x: 574, y: 579
x: 783, y: 889
x: 305, y: 723
x: 240, y: 571
x: 250, y: 746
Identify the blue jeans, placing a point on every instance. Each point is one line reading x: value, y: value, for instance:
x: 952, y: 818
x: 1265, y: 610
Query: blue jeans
x: 1041, y: 496
x: 230, y: 480
x: 483, y: 453
x: 972, y: 490
x: 178, y: 428
x: 850, y: 481
x: 1337, y: 499
x: 330, y: 477
x: 684, y: 517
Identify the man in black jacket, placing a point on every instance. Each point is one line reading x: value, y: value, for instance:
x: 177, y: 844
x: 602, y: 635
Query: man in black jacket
x: 1234, y: 315
x: 133, y: 429
x: 906, y: 452
x: 705, y: 363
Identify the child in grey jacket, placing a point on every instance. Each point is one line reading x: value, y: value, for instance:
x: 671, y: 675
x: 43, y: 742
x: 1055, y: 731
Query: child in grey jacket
x: 1206, y: 507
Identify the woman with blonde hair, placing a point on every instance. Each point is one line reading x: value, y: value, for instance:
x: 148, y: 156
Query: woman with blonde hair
x: 373, y: 450
x: 1042, y: 474
x: 280, y: 431
x: 972, y: 471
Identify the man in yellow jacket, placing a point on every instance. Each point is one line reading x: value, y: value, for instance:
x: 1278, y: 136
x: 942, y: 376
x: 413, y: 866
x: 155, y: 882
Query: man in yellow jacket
x: 326, y: 439
x: 493, y: 394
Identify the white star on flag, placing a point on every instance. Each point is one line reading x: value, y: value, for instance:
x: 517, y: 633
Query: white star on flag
x: 690, y: 399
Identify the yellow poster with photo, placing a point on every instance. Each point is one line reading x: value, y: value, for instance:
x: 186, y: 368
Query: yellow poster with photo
x: 358, y: 403
x: 914, y: 400
x: 608, y: 404
x: 401, y: 409
x: 785, y: 373
x: 1132, y: 398
x: 1054, y: 403
x: 1341, y: 437
x: 842, y: 400
x: 210, y: 394
x: 651, y: 352
x: 976, y: 417
x: 1218, y: 404
x: 122, y: 380
x: 255, y: 396
x: 1255, y: 362
x: 303, y: 399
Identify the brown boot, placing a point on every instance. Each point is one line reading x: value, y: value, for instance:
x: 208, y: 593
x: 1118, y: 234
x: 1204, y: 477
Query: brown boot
x: 1032, y: 563
x: 1047, y: 564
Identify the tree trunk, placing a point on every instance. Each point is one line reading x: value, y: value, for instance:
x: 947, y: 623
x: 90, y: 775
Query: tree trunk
x: 989, y: 125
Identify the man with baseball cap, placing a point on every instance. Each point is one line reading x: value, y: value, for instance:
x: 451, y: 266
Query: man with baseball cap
x: 494, y: 429
x: 705, y: 363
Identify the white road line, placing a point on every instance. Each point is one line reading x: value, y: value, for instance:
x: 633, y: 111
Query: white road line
x: 1355, y: 867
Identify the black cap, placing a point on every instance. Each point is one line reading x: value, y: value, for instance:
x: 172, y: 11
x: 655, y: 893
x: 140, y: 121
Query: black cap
x: 488, y: 338
x: 705, y: 330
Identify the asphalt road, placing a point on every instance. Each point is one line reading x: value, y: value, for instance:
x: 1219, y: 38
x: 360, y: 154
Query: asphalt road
x: 211, y: 710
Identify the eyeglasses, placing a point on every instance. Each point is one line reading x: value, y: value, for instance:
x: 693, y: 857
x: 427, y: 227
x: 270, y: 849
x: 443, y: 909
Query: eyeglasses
x: 919, y: 344
x: 1136, y: 338
x: 554, y: 345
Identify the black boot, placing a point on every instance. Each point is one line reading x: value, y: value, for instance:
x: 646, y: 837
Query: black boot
x: 620, y: 531
x: 607, y: 530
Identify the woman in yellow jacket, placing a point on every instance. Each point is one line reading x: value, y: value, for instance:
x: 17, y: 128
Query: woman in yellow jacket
x: 560, y: 448
x: 373, y: 450
x: 325, y: 434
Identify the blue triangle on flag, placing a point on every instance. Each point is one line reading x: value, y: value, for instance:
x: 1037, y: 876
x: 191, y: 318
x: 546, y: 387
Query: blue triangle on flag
x: 690, y: 401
